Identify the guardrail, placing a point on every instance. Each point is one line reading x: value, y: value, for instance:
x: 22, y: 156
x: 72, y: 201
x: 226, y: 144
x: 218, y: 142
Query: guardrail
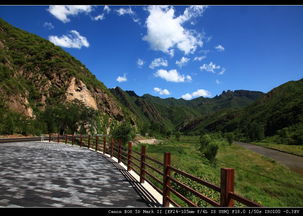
x: 23, y: 139
x: 149, y: 169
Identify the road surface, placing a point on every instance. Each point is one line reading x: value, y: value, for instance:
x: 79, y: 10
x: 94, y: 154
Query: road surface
x: 293, y: 162
x: 42, y: 174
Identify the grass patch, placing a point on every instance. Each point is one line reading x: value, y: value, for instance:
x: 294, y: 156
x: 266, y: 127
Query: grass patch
x: 256, y: 177
x: 293, y: 149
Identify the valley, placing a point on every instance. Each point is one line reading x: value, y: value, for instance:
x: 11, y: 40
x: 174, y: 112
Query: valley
x: 45, y: 90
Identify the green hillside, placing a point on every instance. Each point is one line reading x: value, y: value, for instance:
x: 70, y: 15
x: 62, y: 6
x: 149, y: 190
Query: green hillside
x: 170, y: 114
x: 278, y: 114
x: 37, y: 77
x: 44, y: 89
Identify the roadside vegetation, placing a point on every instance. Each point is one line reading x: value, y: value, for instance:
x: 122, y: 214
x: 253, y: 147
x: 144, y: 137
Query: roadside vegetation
x: 257, y: 178
x: 292, y: 149
x: 62, y: 118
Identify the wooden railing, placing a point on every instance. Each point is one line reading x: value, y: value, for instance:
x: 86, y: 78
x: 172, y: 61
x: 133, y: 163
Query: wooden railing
x: 149, y: 170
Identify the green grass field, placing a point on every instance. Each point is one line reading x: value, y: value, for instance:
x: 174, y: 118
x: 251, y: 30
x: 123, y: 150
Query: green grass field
x: 256, y: 177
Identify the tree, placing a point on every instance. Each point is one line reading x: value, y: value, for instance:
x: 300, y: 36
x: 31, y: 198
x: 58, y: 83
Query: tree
x: 208, y: 147
x: 69, y: 117
x: 123, y: 132
x: 211, y: 152
x: 205, y: 140
x: 144, y: 129
x: 255, y: 131
x: 230, y: 138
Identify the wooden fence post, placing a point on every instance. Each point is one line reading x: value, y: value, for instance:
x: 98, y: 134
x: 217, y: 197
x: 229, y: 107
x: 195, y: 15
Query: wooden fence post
x: 119, y: 150
x: 142, y: 169
x: 58, y: 138
x: 129, y: 156
x: 66, y: 139
x: 80, y: 140
x: 112, y: 147
x: 166, y: 180
x: 96, y: 143
x: 88, y: 145
x: 73, y: 139
x: 104, y: 144
x: 227, y: 185
x: 49, y: 137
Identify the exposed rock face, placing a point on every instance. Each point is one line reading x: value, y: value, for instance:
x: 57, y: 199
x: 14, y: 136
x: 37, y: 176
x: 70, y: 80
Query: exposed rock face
x: 20, y: 104
x: 36, y: 74
x: 78, y: 90
x: 108, y: 105
x: 96, y: 99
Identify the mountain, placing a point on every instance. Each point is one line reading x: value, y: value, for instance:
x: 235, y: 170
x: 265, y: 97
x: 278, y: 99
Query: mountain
x: 174, y: 113
x: 278, y: 114
x: 35, y: 74
x: 44, y: 89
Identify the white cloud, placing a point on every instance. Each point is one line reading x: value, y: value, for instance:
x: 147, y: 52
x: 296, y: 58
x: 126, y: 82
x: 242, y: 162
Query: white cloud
x: 211, y: 67
x: 140, y: 62
x: 62, y: 12
x: 48, y: 25
x: 218, y: 82
x: 106, y: 9
x: 172, y: 76
x: 188, y: 78
x: 123, y: 11
x: 220, y: 48
x: 182, y: 61
x: 222, y: 71
x: 201, y: 93
x: 122, y: 79
x: 191, y: 12
x: 157, y: 62
x: 162, y: 91
x: 99, y: 17
x: 171, y: 52
x: 199, y: 58
x: 198, y: 93
x: 72, y: 40
x: 187, y: 96
x: 165, y: 31
x: 128, y: 11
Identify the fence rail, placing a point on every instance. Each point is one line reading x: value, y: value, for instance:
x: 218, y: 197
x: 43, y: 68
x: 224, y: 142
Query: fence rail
x: 141, y: 163
x: 23, y: 139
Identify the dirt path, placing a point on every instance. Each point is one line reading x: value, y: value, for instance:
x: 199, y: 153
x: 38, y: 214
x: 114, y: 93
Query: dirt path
x: 293, y: 162
x: 149, y: 141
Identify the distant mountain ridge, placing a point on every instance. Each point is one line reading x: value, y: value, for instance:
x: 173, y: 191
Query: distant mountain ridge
x: 277, y: 114
x: 35, y: 75
x: 173, y: 113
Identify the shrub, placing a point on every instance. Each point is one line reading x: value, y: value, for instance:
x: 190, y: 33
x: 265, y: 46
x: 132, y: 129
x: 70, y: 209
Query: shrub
x: 230, y: 138
x: 208, y: 147
x: 123, y: 132
x: 211, y: 151
x: 205, y: 140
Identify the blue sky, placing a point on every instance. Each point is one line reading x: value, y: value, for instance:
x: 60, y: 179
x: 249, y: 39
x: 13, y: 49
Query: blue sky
x: 175, y: 51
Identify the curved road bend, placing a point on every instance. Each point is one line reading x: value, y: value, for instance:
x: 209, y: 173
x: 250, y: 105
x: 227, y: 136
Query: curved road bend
x: 293, y: 162
x: 42, y: 174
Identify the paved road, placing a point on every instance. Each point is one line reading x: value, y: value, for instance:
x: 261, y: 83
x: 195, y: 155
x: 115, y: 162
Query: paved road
x: 42, y: 174
x: 294, y: 162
